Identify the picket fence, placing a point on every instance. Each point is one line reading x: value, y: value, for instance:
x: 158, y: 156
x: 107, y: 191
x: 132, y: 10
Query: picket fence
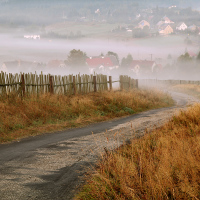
x: 26, y: 84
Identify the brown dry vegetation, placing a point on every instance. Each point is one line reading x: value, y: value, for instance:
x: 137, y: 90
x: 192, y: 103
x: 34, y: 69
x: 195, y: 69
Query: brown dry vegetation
x: 164, y: 164
x: 190, y: 89
x: 44, y: 113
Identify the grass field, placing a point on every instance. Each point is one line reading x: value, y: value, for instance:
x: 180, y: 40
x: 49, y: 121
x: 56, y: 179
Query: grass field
x: 34, y: 115
x: 164, y: 164
x: 190, y: 89
x: 87, y: 29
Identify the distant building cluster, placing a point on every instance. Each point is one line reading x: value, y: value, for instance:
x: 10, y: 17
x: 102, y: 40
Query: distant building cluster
x: 163, y: 27
x: 34, y: 37
x: 102, y: 64
x: 108, y: 64
x: 142, y: 24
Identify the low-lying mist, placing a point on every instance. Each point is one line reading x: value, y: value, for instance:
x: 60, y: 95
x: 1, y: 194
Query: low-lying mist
x: 15, y: 48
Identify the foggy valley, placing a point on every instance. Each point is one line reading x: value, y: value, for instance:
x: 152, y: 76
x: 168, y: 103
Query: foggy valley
x: 99, y: 99
x: 46, y: 31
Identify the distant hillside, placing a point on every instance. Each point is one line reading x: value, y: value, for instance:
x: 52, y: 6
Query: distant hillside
x: 43, y: 12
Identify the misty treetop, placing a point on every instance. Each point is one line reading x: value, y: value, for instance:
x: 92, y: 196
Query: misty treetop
x: 110, y: 53
x: 76, y: 58
x: 184, y: 58
x: 126, y: 61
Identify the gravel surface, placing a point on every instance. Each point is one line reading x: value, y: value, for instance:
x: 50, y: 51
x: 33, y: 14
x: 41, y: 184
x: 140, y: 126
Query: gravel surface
x: 53, y: 166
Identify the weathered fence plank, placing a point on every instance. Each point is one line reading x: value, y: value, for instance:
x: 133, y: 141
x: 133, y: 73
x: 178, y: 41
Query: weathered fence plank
x: 110, y: 83
x: 39, y: 84
x: 95, y: 83
x: 51, y: 89
x: 23, y: 85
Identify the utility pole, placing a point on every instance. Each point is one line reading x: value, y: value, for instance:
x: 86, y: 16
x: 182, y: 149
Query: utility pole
x: 151, y: 56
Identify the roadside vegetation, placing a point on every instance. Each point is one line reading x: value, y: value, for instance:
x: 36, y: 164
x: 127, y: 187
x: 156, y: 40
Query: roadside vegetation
x: 190, y: 89
x: 164, y: 164
x: 34, y: 115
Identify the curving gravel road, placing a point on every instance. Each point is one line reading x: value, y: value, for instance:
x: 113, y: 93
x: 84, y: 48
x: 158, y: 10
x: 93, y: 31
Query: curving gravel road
x: 52, y: 166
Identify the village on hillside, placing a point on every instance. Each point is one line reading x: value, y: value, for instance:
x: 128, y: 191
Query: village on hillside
x: 146, y: 23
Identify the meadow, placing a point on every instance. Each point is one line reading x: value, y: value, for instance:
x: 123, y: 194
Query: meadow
x: 190, y: 89
x: 33, y: 115
x: 87, y: 28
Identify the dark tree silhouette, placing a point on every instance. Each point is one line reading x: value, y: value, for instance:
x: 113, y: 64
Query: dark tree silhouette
x: 76, y: 58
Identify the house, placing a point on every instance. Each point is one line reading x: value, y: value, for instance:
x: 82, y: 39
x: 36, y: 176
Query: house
x: 167, y: 20
x: 142, y: 24
x: 181, y: 26
x: 55, y: 64
x: 19, y: 66
x: 174, y: 6
x: 158, y: 68
x: 164, y: 21
x: 192, y: 28
x: 138, y: 16
x: 160, y: 23
x: 102, y: 64
x: 142, y: 68
x: 192, y: 54
x: 165, y: 29
x: 56, y: 67
x: 129, y: 30
x: 34, y: 37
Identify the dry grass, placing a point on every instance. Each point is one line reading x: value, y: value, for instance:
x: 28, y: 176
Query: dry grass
x: 164, y: 164
x: 34, y: 115
x: 190, y: 89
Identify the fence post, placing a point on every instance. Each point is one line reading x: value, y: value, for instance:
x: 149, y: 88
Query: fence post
x: 74, y: 85
x: 23, y: 85
x: 136, y: 83
x: 121, y: 82
x: 110, y: 83
x: 95, y: 83
x: 133, y: 81
x: 79, y: 79
x: 129, y: 83
x: 51, y: 84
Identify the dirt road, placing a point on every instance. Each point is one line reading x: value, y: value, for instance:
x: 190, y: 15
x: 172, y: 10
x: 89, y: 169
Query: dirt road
x: 52, y: 166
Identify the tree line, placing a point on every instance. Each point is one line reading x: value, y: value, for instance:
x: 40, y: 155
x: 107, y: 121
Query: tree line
x: 78, y: 57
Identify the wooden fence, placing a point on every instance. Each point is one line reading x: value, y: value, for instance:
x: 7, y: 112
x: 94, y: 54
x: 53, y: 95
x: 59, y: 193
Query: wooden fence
x: 127, y: 82
x: 79, y: 84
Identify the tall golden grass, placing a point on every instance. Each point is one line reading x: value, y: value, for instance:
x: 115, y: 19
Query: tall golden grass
x: 164, y: 164
x: 36, y: 114
x: 190, y: 89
